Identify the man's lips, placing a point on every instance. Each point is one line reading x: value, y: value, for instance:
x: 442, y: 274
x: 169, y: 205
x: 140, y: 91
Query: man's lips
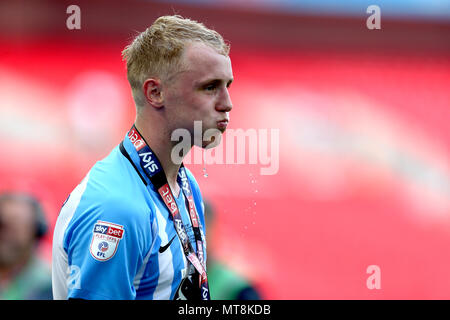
x: 222, y: 124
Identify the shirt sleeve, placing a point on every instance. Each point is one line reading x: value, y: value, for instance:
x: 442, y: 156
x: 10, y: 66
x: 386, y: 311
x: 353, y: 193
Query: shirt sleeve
x: 106, y: 244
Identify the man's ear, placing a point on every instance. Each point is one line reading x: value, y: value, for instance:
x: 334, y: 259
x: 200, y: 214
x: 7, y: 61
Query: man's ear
x: 152, y: 92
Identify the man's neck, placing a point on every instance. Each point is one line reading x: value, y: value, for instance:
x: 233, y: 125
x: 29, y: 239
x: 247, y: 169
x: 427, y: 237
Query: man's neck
x: 159, y: 141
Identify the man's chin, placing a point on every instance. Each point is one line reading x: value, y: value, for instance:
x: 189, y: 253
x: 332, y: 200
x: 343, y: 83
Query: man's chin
x: 212, y: 141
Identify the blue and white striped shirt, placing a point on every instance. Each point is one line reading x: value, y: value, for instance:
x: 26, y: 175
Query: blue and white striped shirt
x: 114, y: 238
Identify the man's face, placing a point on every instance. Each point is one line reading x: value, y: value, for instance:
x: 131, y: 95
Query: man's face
x: 199, y: 92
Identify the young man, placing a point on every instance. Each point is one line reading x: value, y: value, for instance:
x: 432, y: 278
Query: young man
x: 134, y: 227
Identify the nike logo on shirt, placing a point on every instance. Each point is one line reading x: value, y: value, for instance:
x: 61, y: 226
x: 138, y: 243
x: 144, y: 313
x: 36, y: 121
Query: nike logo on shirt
x: 164, y: 248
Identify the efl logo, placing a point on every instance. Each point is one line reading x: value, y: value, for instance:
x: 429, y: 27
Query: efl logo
x: 105, y: 240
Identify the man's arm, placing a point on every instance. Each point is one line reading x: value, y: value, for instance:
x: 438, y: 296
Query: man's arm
x: 106, y: 243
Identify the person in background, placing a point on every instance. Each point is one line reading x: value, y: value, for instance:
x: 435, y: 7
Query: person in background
x: 23, y: 276
x: 225, y: 283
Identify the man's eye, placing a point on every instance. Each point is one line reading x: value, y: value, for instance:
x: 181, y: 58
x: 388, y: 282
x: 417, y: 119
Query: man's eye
x: 210, y: 87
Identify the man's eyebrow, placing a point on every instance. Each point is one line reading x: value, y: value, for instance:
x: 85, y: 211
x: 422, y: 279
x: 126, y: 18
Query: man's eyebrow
x: 215, y: 81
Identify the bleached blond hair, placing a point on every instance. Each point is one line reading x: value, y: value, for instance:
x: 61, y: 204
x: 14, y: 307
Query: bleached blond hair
x: 156, y: 52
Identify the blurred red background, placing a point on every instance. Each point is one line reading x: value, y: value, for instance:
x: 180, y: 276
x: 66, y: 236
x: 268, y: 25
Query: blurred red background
x: 364, y: 174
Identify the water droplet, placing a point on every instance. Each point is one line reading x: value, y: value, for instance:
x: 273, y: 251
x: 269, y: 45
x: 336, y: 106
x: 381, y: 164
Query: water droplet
x: 245, y: 227
x: 256, y: 191
x: 204, y: 173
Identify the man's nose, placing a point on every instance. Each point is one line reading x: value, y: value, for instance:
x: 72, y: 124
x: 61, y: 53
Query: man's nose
x: 225, y: 104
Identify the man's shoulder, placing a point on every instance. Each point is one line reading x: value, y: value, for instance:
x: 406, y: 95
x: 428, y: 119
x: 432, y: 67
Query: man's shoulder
x: 111, y: 167
x: 111, y: 188
x: 114, y: 175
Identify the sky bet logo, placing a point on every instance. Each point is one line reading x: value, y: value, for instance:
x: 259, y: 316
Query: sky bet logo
x: 148, y: 162
x: 110, y: 231
x: 184, y: 182
x: 105, y: 240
